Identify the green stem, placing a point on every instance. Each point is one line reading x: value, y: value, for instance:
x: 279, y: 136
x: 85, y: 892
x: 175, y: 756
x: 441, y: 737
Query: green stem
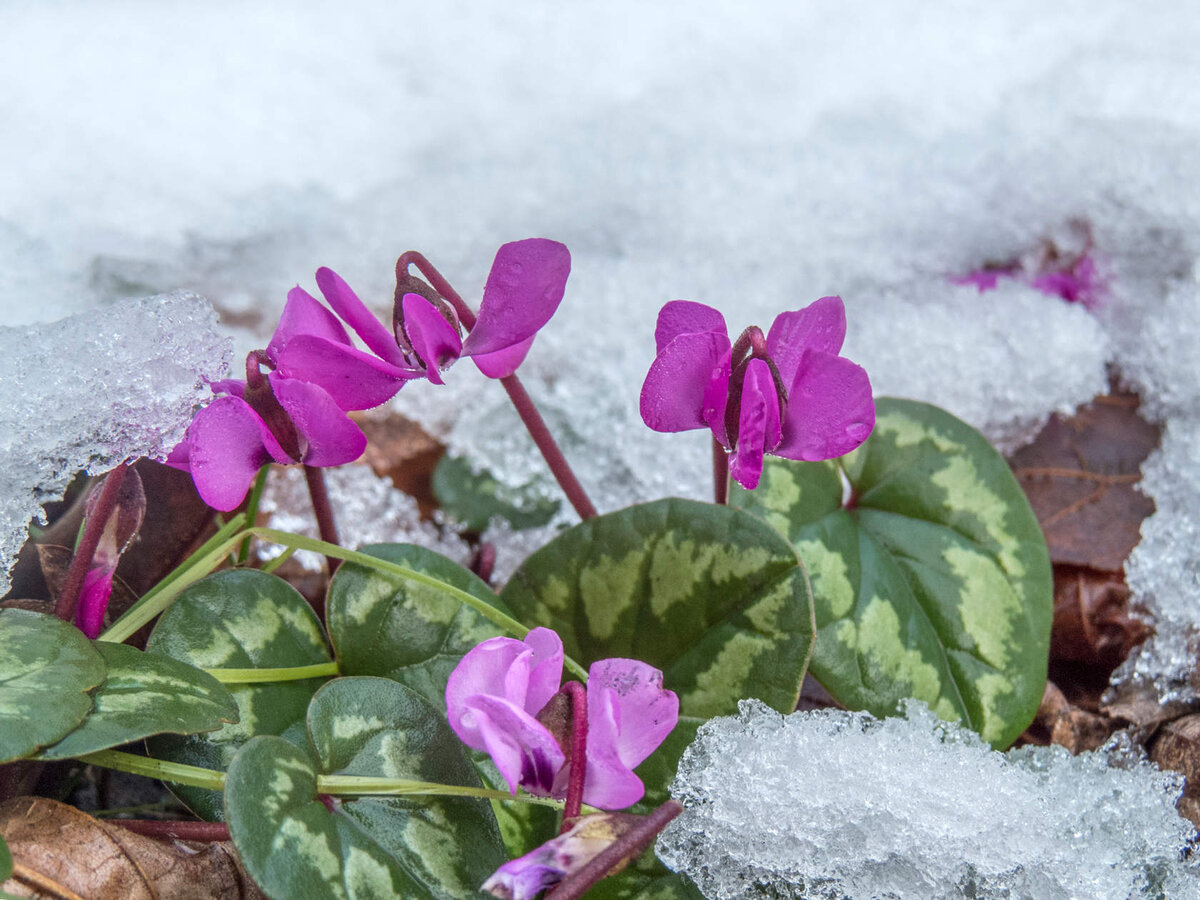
x: 278, y: 561
x: 256, y: 492
x: 176, y: 773
x: 262, y: 676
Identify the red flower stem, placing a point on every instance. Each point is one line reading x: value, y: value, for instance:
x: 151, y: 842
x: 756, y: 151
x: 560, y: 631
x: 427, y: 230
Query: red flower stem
x: 526, y: 409
x: 183, y: 831
x: 93, y: 528
x: 627, y: 847
x: 720, y: 473
x: 323, y: 511
x: 579, y: 729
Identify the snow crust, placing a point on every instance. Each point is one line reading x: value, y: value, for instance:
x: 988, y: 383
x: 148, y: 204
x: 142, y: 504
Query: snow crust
x: 832, y: 805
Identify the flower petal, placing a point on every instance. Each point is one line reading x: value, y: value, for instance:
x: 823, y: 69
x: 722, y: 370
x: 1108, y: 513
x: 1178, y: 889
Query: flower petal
x: 355, y: 313
x: 686, y: 317
x: 522, y: 748
x: 523, y: 290
x: 229, y: 443
x: 830, y: 409
x: 545, y: 673
x: 434, y: 339
x: 302, y: 314
x: 758, y: 424
x: 648, y: 711
x: 93, y: 600
x: 503, y: 363
x: 610, y: 783
x: 819, y: 326
x: 679, y: 383
x: 354, y: 379
x: 716, y: 399
x: 333, y: 439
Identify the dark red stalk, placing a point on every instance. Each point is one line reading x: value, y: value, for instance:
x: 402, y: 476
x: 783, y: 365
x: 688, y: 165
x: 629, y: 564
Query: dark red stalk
x: 579, y: 729
x: 627, y: 847
x: 182, y: 831
x: 93, y: 528
x: 559, y: 467
x: 322, y: 510
x: 720, y: 473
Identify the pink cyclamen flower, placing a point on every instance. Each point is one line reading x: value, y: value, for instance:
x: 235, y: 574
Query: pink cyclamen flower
x: 267, y: 418
x: 494, y: 696
x: 120, y: 529
x: 523, y: 290
x: 789, y: 394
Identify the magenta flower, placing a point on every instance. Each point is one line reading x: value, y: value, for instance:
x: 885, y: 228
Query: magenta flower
x: 494, y: 696
x: 120, y: 529
x: 523, y: 290
x: 789, y: 394
x: 267, y: 418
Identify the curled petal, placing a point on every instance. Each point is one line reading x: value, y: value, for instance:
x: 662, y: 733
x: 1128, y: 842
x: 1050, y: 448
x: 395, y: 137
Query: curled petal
x: 355, y: 313
x: 432, y: 337
x: 333, y: 439
x: 678, y: 387
x: 523, y: 290
x: 830, y: 409
x: 354, y: 379
x: 819, y: 326
x: 304, y: 315
x: 759, y: 428
x: 503, y: 363
x: 648, y: 711
x: 228, y: 444
x: 686, y: 317
x: 93, y: 600
x: 522, y: 748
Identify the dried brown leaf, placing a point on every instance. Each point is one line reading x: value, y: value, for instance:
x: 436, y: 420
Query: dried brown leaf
x: 1094, y: 621
x: 1177, y: 747
x: 400, y: 449
x: 1059, y: 722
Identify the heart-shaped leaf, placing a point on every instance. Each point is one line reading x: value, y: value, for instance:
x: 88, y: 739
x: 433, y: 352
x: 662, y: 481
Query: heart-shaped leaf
x: 385, y: 625
x: 288, y: 840
x: 474, y: 497
x: 376, y: 728
x: 240, y: 619
x: 146, y: 694
x: 931, y: 578
x: 47, y: 668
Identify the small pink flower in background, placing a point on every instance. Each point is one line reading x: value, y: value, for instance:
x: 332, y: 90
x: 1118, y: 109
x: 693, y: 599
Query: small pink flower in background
x: 494, y: 696
x: 523, y: 290
x: 788, y: 394
x: 120, y: 529
x: 527, y: 876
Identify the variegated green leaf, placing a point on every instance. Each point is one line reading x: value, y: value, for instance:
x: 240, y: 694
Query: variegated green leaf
x: 709, y: 594
x: 47, y: 668
x: 289, y: 841
x: 931, y: 578
x: 374, y: 727
x: 145, y: 694
x: 239, y: 619
x: 523, y: 826
x: 475, y: 497
x: 382, y: 624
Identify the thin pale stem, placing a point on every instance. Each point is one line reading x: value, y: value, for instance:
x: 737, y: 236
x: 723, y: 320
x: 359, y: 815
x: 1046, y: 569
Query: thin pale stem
x: 256, y: 492
x: 271, y: 676
x: 326, y: 526
x: 627, y: 847
x: 181, y: 831
x: 93, y: 528
x: 578, y: 774
x: 176, y: 773
x: 720, y: 473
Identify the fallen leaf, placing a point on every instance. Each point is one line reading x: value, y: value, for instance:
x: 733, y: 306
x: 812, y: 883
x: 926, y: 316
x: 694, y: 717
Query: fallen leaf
x: 59, y: 852
x: 400, y: 449
x: 1177, y: 747
x: 1059, y: 722
x: 1094, y: 621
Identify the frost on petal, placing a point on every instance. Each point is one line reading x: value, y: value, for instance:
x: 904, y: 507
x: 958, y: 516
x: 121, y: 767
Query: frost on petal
x: 355, y: 313
x: 819, y: 326
x: 758, y: 424
x: 302, y: 314
x: 228, y: 444
x: 522, y: 748
x: 433, y: 338
x: 354, y: 379
x: 523, y: 290
x: 830, y: 409
x: 332, y: 438
x: 680, y: 381
x: 686, y: 317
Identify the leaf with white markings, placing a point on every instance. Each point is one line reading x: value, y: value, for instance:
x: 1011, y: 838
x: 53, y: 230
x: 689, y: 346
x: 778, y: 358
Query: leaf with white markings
x: 931, y: 577
x: 146, y: 694
x: 382, y: 624
x: 240, y: 619
x: 47, y: 668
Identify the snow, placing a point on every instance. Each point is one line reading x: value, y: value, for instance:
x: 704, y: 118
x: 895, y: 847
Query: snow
x: 839, y: 805
x: 751, y: 160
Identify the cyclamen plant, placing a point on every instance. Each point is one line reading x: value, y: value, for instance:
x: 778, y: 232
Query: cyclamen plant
x: 421, y: 709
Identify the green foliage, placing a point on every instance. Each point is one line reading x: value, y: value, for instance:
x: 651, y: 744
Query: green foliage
x: 473, y: 497
x: 934, y: 582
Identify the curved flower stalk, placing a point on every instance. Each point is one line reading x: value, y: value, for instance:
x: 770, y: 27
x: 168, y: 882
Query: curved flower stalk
x: 498, y: 699
x: 788, y: 394
x: 523, y: 290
